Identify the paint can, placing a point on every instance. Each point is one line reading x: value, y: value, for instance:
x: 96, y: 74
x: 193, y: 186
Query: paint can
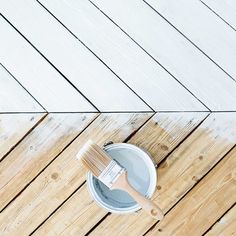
x: 142, y: 175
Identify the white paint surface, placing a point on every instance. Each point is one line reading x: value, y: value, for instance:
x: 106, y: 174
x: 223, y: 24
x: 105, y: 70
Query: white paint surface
x: 148, y: 79
x: 13, y: 127
x: 201, y: 76
x: 73, y: 59
x: 226, y: 9
x: 223, y: 126
x: 177, y: 121
x: 36, y: 74
x: 204, y: 28
x: 13, y: 97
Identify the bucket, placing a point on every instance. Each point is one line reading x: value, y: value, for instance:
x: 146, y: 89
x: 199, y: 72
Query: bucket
x: 142, y: 176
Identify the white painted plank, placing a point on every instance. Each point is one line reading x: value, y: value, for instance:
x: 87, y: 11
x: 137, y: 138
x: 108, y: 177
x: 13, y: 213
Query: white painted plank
x: 13, y: 127
x: 13, y: 97
x: 148, y: 79
x: 74, y: 60
x: 226, y: 9
x: 36, y: 74
x: 204, y: 28
x: 201, y: 76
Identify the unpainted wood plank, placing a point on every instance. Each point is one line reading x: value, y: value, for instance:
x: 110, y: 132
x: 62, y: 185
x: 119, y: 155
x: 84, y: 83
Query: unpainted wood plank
x: 160, y: 135
x: 225, y: 9
x: 165, y: 131
x: 13, y: 127
x: 64, y: 175
x: 76, y: 216
x: 179, y: 56
x: 203, y: 205
x: 226, y: 225
x: 180, y: 171
x: 43, y: 144
x: 37, y: 75
x: 202, y: 27
x: 13, y: 97
x: 146, y: 77
x: 97, y: 82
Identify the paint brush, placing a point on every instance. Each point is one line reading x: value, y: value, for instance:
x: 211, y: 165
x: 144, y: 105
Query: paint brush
x: 114, y: 176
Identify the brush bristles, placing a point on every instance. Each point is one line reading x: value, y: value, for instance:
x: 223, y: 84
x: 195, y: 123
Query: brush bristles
x: 94, y: 158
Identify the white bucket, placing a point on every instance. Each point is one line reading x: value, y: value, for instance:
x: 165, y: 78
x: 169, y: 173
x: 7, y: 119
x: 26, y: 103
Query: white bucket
x: 142, y: 176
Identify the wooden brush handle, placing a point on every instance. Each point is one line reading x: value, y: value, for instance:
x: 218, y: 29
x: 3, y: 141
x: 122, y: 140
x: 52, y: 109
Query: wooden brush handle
x: 149, y: 206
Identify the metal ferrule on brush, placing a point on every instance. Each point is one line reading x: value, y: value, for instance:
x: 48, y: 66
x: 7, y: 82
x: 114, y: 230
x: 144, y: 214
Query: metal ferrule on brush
x: 111, y: 173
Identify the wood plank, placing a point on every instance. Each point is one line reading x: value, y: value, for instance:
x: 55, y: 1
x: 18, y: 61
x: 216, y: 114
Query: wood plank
x: 193, y: 69
x: 76, y: 216
x: 159, y: 136
x: 37, y: 75
x: 226, y: 225
x: 203, y: 205
x: 71, y: 57
x: 43, y: 144
x: 9, y: 124
x: 225, y: 9
x: 13, y: 97
x: 147, y: 78
x: 180, y: 172
x: 60, y: 179
x: 165, y: 131
x: 217, y: 39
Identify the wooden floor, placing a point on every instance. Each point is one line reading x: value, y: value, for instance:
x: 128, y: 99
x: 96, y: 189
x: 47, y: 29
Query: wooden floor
x: 157, y: 74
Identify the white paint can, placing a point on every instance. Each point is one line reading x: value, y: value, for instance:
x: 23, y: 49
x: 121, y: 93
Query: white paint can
x: 142, y: 175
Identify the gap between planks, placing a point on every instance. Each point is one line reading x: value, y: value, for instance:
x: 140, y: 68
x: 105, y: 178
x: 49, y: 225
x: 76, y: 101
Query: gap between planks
x: 23, y: 123
x: 27, y: 92
x: 195, y: 40
x: 223, y: 17
x: 226, y: 225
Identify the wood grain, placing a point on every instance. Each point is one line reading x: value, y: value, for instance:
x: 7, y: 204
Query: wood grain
x: 200, y: 21
x: 71, y: 57
x: 13, y: 97
x: 75, y: 217
x: 173, y: 51
x: 203, y: 205
x: 226, y: 225
x: 60, y: 179
x: 225, y: 9
x: 165, y: 131
x: 13, y: 127
x: 147, y: 78
x: 180, y: 172
x: 43, y: 144
x: 160, y: 135
x: 37, y: 75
